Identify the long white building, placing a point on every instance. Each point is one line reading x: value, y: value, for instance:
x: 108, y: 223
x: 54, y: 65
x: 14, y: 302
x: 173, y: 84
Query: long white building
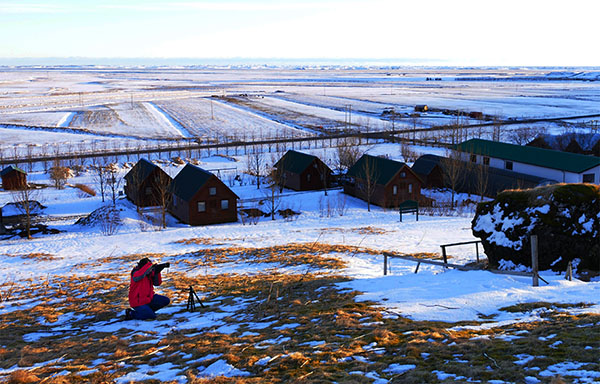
x: 553, y: 165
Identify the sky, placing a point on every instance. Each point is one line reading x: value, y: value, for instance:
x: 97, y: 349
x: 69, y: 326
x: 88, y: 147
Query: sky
x: 447, y: 32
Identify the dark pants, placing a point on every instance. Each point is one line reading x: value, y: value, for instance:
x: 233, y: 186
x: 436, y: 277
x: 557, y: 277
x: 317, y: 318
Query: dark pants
x: 148, y: 311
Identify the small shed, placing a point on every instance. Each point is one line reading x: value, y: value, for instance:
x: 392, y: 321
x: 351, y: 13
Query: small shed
x: 476, y: 115
x: 421, y: 108
x: 13, y: 178
x: 388, y: 182
x: 146, y: 184
x: 200, y: 198
x: 302, y: 172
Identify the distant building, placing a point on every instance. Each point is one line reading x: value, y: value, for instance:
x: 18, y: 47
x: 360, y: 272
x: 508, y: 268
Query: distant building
x: 146, y: 184
x: 389, y: 182
x: 13, y: 178
x: 302, y: 172
x: 563, y: 167
x: 421, y: 108
x: 200, y: 198
x: 476, y: 115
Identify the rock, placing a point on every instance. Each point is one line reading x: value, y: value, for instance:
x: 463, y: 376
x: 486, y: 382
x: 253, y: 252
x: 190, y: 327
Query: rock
x: 565, y: 217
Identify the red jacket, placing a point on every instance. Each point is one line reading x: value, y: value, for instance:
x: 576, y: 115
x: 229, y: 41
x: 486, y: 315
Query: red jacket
x: 141, y: 287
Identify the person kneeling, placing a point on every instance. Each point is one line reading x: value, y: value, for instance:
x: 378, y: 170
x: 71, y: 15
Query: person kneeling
x: 142, y: 298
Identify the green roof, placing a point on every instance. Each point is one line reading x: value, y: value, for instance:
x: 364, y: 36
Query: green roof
x: 547, y: 158
x: 189, y: 181
x: 11, y: 168
x: 382, y: 170
x: 295, y: 162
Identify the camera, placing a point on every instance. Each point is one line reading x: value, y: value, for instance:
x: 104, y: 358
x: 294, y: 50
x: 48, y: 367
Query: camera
x: 160, y: 267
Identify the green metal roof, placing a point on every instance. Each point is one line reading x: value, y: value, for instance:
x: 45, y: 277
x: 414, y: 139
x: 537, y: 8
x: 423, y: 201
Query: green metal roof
x: 547, y: 158
x: 295, y: 162
x: 11, y: 168
x: 382, y: 170
x: 189, y: 181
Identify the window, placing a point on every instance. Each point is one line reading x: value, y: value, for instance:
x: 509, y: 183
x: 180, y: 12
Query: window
x: 224, y: 204
x: 473, y: 158
x: 486, y: 160
x: 202, y: 206
x: 403, y: 174
x: 409, y: 188
x: 148, y: 190
x: 394, y: 190
x: 308, y: 177
x: 212, y: 191
x: 588, y: 178
x: 508, y: 165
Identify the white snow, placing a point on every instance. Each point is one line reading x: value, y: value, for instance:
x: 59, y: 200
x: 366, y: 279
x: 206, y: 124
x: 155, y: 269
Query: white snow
x: 222, y: 368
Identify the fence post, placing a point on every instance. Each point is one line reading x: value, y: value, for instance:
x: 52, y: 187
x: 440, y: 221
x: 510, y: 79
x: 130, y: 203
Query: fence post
x: 385, y: 262
x: 569, y: 274
x: 477, y: 251
x: 444, y: 254
x: 534, y: 260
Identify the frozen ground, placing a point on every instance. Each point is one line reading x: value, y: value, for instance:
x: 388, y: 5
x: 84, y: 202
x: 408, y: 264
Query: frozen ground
x: 466, y: 302
x: 281, y: 101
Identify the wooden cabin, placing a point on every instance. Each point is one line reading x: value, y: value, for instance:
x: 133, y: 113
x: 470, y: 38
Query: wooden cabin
x: 200, y: 198
x: 13, y: 178
x: 421, y: 108
x: 388, y: 182
x: 428, y: 168
x: 146, y: 184
x: 302, y: 172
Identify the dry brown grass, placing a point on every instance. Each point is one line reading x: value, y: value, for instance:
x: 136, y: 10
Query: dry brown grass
x: 86, y: 189
x: 360, y: 230
x: 303, y: 308
x: 40, y: 256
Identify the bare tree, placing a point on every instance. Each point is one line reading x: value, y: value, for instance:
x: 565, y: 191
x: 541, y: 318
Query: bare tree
x: 113, y: 180
x: 59, y: 175
x: 348, y: 153
x: 367, y: 179
x: 453, y: 169
x: 482, y: 176
x: 25, y: 200
x: 256, y: 164
x: 523, y: 135
x: 414, y: 118
x: 30, y: 156
x: 163, y: 196
x: 100, y: 176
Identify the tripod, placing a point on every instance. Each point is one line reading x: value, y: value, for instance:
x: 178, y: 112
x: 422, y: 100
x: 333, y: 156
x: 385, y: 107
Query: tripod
x: 191, y: 304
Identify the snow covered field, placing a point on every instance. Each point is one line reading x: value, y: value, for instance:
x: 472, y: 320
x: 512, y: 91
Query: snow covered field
x: 302, y: 299
x: 284, y: 298
x: 283, y: 101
